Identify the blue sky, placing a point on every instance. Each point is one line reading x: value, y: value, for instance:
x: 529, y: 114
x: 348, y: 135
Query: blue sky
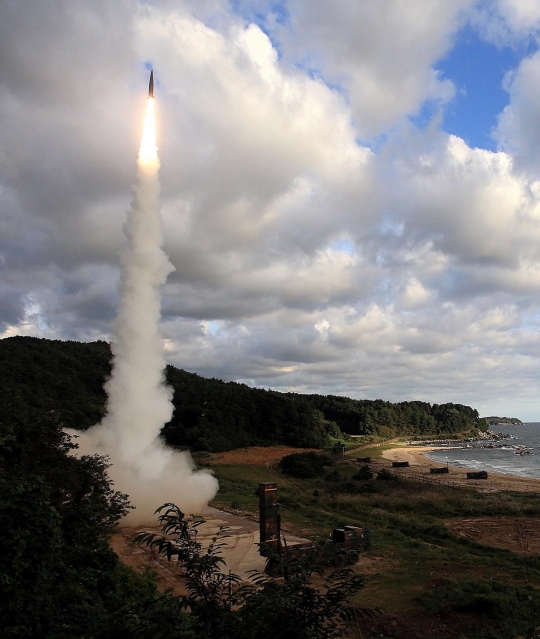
x: 478, y: 68
x: 336, y: 206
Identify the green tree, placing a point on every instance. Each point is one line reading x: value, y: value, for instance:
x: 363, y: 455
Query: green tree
x: 56, y: 513
x: 303, y: 465
x: 212, y: 592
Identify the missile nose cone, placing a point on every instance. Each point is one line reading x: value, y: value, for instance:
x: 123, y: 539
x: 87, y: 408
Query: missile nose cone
x: 151, y: 85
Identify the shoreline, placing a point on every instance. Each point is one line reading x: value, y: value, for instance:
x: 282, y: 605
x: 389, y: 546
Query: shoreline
x: 420, y: 463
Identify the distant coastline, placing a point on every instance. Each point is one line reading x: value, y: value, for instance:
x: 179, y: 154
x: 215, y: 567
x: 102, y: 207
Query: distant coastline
x: 502, y: 421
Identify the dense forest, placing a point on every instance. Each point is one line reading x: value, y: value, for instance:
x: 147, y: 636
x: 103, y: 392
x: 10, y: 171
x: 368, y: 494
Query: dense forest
x: 384, y: 419
x: 66, y: 379
x: 56, y: 568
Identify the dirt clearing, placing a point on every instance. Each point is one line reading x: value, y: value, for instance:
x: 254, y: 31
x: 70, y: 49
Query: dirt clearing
x: 254, y: 455
x: 168, y: 574
x: 520, y: 535
x: 240, y: 552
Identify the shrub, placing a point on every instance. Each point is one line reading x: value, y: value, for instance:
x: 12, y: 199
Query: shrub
x: 303, y: 465
x: 364, y: 473
x: 333, y: 476
x: 386, y: 475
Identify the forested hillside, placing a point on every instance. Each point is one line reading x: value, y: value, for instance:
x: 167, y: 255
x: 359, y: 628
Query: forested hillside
x: 67, y: 378
x: 50, y: 375
x: 377, y: 417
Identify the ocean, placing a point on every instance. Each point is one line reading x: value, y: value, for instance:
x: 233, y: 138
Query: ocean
x: 503, y: 459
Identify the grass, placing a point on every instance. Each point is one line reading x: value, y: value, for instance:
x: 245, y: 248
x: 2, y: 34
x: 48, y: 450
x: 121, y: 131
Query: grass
x: 411, y: 543
x: 238, y: 486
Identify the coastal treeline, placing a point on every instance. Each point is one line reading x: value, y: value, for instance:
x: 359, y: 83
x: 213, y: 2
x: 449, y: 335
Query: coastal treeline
x: 66, y: 379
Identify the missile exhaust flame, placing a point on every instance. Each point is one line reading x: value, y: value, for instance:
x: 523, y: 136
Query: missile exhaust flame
x: 148, y: 154
x: 139, y: 402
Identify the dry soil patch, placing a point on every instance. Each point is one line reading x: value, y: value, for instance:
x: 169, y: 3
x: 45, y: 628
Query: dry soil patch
x: 240, y: 552
x: 520, y: 535
x: 168, y: 575
x: 254, y: 455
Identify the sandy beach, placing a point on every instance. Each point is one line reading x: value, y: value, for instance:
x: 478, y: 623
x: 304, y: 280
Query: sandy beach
x: 421, y: 464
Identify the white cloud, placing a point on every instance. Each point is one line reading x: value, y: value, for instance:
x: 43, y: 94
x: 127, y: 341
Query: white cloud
x: 518, y: 128
x: 469, y: 204
x: 303, y: 259
x: 380, y: 53
x: 415, y: 295
x: 507, y: 22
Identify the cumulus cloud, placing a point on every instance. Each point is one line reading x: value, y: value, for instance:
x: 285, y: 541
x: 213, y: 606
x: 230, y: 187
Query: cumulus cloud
x: 381, y: 54
x: 518, y: 128
x: 504, y: 22
x: 470, y: 204
x: 305, y: 260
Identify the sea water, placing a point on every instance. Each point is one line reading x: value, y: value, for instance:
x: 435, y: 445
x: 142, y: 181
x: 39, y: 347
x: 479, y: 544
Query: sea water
x: 505, y: 458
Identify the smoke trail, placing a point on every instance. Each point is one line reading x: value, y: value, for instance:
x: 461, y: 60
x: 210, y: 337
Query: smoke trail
x: 139, y: 403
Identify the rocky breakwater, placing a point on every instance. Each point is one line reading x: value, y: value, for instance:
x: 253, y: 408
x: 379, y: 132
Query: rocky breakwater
x: 488, y: 439
x: 491, y: 439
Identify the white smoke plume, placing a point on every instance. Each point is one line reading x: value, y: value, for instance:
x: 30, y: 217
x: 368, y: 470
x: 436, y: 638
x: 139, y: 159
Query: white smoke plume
x: 139, y: 402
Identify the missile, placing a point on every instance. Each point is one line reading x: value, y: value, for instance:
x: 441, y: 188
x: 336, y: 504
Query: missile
x: 151, y: 85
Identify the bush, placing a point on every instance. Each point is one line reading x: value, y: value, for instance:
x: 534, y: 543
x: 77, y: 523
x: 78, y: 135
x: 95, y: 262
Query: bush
x: 364, y: 473
x: 303, y: 465
x: 386, y: 475
x: 333, y: 476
